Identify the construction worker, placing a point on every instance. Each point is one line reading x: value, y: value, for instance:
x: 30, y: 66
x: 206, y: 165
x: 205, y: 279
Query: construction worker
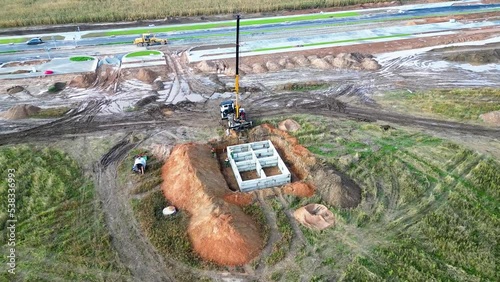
x: 227, y: 163
x: 140, y: 163
x: 213, y: 152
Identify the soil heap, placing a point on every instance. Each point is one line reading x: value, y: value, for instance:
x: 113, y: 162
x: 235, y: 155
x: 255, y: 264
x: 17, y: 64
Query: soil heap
x: 146, y: 75
x: 85, y: 80
x: 315, y: 216
x: 20, y: 111
x: 219, y: 231
x: 491, y: 117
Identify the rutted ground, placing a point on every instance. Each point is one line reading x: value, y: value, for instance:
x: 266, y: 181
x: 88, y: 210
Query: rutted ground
x: 426, y: 201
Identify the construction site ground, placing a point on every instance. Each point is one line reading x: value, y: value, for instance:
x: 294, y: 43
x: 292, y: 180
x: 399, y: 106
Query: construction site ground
x: 155, y: 108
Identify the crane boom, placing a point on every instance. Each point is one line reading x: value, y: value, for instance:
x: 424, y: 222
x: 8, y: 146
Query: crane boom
x: 237, y: 77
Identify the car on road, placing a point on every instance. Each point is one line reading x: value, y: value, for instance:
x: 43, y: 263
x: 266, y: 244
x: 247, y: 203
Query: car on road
x: 34, y: 41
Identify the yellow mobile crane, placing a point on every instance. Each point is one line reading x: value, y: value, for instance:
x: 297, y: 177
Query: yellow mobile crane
x: 230, y: 110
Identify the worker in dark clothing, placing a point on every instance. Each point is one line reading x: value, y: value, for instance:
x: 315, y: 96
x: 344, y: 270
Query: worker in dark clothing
x: 227, y: 163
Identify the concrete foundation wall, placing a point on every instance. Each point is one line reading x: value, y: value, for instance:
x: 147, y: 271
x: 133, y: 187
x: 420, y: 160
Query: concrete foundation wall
x: 256, y: 156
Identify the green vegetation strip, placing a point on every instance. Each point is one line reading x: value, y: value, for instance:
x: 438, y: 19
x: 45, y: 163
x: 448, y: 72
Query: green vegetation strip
x: 60, y: 233
x: 81, y: 59
x: 7, y: 52
x: 249, y: 22
x: 143, y: 53
x: 333, y: 42
x: 13, y: 40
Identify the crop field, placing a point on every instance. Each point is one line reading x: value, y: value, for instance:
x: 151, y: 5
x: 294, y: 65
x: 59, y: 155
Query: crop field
x: 60, y: 231
x: 45, y: 12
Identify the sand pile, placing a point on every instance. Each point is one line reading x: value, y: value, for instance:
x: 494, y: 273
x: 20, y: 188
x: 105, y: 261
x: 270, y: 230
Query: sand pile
x: 299, y: 189
x: 20, y: 111
x: 219, y: 231
x: 85, y: 80
x: 491, y: 117
x: 315, y: 216
x: 289, y: 125
x: 146, y: 75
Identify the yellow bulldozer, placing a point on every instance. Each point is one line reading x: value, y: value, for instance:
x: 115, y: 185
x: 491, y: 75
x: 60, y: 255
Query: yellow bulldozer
x: 148, y: 39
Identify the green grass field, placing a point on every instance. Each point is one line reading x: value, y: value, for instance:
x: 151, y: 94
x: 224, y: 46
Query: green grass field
x: 60, y: 231
x: 45, y: 12
x: 457, y: 104
x: 429, y: 207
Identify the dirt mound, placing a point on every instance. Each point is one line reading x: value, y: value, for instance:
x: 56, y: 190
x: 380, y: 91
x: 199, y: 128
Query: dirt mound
x: 85, y: 80
x: 219, y: 231
x: 301, y: 61
x: 315, y: 216
x: 258, y: 68
x: 370, y: 64
x: 20, y: 111
x: 239, y: 199
x: 343, y: 61
x: 272, y: 66
x: 491, y: 117
x: 146, y: 75
x: 299, y: 189
x: 212, y: 66
x: 245, y: 68
x: 286, y: 63
x: 337, y: 190
x: 289, y: 125
x: 15, y: 89
x: 476, y: 57
x: 107, y: 76
x: 320, y: 63
x: 206, y: 66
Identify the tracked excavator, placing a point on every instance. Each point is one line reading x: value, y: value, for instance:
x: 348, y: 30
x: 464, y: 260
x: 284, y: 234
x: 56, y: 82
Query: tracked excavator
x: 231, y: 110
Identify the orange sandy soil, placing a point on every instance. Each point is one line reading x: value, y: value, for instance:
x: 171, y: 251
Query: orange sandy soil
x: 219, y: 230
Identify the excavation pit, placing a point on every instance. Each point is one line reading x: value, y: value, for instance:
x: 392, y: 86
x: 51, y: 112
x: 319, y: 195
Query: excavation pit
x: 257, y: 166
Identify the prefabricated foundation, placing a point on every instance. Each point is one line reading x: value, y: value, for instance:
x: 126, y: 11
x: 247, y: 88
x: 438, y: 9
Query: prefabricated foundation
x: 257, y: 156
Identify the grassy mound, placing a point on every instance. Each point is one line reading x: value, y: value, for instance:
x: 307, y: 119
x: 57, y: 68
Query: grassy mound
x: 60, y: 232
